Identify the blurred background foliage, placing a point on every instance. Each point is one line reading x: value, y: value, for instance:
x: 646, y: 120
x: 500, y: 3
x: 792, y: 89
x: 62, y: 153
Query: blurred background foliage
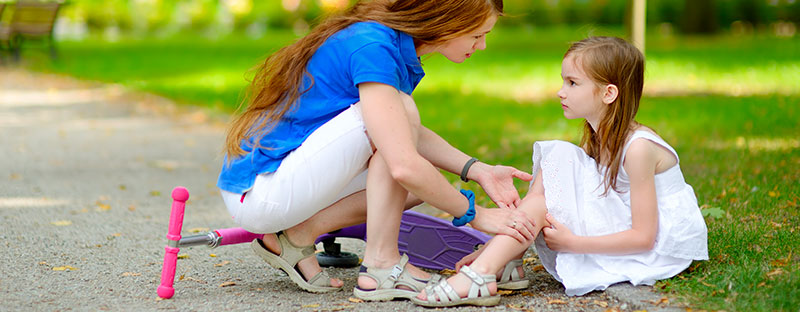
x: 216, y: 18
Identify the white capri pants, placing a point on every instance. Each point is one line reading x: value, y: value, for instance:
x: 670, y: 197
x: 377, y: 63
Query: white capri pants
x: 330, y: 165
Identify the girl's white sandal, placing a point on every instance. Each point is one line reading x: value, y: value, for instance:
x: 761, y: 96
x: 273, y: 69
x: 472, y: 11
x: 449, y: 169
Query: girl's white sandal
x: 443, y: 294
x: 510, y: 278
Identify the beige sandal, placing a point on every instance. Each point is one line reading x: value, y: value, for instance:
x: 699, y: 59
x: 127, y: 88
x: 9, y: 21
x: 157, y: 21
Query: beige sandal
x: 287, y: 261
x: 510, y: 278
x: 443, y: 294
x: 389, y: 280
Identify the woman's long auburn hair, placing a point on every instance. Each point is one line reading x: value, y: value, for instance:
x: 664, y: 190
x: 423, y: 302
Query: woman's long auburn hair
x: 611, y: 60
x: 276, y: 85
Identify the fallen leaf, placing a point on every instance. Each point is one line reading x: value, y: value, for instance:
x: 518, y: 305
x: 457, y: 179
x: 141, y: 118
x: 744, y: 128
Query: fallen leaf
x: 537, y: 268
x: 706, y: 284
x: 226, y: 284
x: 772, y: 194
x: 556, y: 301
x: 15, y: 176
x: 504, y: 292
x: 518, y: 307
x: 132, y: 208
x: 601, y: 304
x: 212, y: 255
x: 131, y: 274
x: 65, y: 268
x: 776, y: 224
x: 778, y: 262
x: 155, y: 193
x: 103, y: 207
x: 355, y: 300
x: 43, y: 262
x: 526, y: 294
x: 222, y: 263
x: 448, y: 272
x: 61, y: 222
x: 315, y: 305
x: 774, y: 272
x: 528, y: 260
x: 116, y: 234
x: 180, y: 278
x: 123, y: 187
x: 762, y: 284
x: 663, y: 300
x: 198, y: 230
x: 183, y: 256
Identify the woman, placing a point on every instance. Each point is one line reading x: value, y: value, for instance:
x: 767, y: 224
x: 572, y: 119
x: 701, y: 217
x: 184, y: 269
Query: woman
x: 331, y: 138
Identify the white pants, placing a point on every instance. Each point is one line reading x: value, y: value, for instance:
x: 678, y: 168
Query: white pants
x: 330, y: 165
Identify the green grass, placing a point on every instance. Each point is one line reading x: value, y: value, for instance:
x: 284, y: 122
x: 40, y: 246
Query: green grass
x: 729, y: 105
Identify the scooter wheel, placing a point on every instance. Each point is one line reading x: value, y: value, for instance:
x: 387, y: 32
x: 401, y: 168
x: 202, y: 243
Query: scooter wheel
x: 341, y: 260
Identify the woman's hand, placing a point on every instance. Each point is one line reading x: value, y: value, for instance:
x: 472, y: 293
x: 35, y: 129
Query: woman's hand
x: 498, y: 182
x: 506, y: 221
x: 558, y: 237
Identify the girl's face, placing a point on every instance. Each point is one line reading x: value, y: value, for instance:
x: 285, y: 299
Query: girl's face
x: 580, y: 96
x: 461, y: 48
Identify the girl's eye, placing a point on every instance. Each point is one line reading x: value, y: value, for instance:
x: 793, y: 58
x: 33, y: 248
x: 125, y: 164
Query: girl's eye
x: 571, y: 83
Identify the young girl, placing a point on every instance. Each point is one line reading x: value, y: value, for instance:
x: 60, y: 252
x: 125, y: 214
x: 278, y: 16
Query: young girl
x: 337, y: 102
x: 615, y: 209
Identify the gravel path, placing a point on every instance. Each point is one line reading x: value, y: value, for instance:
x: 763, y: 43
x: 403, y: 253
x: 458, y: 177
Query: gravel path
x: 87, y: 171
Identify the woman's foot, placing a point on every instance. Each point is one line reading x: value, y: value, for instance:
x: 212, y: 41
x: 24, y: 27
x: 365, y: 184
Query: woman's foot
x: 368, y: 283
x: 308, y: 267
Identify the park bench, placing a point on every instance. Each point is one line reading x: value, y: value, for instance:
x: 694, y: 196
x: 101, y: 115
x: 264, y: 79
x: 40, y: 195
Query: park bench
x: 30, y: 21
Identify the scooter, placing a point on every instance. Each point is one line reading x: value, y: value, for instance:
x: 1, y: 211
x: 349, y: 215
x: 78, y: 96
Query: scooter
x: 429, y: 242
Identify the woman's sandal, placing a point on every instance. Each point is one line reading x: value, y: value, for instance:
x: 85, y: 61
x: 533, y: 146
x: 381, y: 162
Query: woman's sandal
x: 510, y: 278
x: 443, y: 294
x: 389, y: 282
x: 287, y: 261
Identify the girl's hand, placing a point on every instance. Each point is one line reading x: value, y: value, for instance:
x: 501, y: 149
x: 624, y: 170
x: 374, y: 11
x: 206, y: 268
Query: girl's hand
x: 506, y: 221
x: 467, y: 260
x: 557, y: 236
x: 498, y: 182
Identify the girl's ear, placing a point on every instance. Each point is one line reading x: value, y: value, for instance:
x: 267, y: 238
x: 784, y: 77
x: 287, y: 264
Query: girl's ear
x: 610, y: 93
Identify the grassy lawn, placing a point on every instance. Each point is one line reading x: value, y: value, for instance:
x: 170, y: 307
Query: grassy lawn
x: 729, y: 105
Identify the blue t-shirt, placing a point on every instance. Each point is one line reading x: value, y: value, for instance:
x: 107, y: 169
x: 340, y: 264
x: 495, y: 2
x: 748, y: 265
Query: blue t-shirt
x: 362, y: 52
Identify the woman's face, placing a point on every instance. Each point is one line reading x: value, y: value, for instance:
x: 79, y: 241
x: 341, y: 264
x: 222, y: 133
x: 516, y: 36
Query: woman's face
x: 461, y: 48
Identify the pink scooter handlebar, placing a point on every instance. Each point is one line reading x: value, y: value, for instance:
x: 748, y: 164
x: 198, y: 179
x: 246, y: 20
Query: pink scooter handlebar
x: 179, y: 197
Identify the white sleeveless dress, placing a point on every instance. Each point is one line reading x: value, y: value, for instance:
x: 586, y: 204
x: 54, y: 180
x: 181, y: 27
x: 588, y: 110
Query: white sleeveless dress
x: 573, y: 194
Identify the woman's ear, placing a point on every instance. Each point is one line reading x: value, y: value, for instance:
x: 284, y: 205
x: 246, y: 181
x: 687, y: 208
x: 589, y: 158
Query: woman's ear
x: 610, y: 93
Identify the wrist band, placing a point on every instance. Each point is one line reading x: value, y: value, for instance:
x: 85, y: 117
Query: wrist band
x: 465, y: 170
x: 470, y: 214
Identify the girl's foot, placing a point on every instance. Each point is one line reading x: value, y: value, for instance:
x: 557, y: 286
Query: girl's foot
x: 468, y: 287
x: 461, y: 283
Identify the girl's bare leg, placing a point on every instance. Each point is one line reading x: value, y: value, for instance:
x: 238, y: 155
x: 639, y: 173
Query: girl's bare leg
x: 502, y: 248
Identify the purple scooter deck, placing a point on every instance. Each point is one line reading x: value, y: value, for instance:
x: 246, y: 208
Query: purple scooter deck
x: 434, y: 243
x: 430, y: 242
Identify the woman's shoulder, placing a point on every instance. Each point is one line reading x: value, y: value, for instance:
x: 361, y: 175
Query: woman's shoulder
x: 368, y: 31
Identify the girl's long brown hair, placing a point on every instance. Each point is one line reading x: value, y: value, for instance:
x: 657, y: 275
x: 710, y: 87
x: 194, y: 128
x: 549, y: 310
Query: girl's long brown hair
x: 276, y: 85
x: 611, y: 60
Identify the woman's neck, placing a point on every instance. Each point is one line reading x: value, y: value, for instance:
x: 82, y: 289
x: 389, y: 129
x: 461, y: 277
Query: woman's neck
x: 423, y: 49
